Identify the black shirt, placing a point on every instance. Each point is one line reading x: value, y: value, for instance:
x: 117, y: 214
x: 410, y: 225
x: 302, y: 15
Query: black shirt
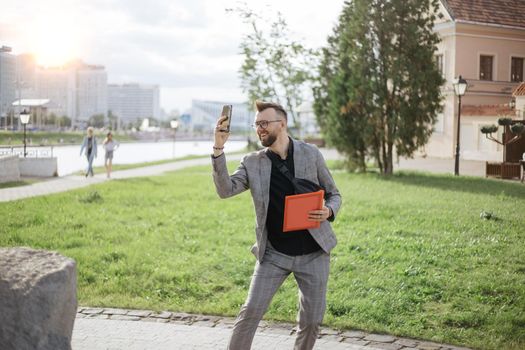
x: 89, y: 146
x: 293, y: 242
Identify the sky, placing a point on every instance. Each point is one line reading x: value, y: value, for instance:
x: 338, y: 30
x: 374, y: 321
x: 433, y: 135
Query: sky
x: 190, y: 48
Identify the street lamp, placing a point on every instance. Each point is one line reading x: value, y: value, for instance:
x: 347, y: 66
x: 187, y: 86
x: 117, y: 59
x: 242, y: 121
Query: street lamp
x: 24, y: 119
x: 460, y: 87
x: 174, y: 125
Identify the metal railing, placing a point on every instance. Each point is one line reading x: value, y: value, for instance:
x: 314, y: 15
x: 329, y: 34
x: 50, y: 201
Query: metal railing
x: 31, y: 151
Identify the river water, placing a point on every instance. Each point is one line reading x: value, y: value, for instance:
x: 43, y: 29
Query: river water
x: 70, y: 161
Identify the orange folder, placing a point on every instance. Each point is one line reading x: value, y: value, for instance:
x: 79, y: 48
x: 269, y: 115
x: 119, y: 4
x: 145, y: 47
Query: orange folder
x: 296, y: 208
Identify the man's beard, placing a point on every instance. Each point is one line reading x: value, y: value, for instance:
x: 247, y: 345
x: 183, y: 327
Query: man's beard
x: 270, y: 139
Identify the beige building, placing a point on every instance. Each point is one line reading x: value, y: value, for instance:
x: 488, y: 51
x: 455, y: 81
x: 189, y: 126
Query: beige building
x: 484, y: 42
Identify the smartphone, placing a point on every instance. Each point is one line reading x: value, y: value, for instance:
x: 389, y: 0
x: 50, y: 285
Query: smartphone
x: 226, y: 112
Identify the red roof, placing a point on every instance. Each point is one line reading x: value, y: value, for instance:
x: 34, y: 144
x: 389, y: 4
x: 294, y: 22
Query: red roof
x: 498, y: 12
x: 519, y: 90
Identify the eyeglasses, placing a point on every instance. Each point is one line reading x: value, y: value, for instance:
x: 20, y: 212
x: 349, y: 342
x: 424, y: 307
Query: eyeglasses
x: 264, y: 123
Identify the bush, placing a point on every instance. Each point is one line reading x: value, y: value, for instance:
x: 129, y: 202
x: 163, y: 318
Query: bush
x: 91, y: 197
x: 517, y: 128
x: 504, y: 121
x: 489, y: 129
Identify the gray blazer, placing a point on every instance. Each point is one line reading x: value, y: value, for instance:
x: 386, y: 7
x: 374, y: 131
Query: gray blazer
x: 254, y: 174
x: 94, y: 149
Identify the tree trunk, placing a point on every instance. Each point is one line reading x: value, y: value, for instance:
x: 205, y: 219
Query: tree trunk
x: 389, y: 161
x: 362, y: 162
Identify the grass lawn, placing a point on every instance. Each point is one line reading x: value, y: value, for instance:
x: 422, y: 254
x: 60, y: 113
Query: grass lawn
x: 414, y: 256
x: 24, y: 182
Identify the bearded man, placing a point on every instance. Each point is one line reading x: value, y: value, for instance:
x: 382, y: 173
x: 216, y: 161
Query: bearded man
x: 303, y: 253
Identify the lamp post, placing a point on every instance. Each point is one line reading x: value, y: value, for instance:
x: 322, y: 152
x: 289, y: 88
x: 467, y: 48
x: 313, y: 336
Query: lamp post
x: 24, y: 119
x: 174, y: 125
x: 460, y: 87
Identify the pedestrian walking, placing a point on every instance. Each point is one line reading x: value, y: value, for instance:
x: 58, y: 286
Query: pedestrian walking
x: 89, y: 144
x: 110, y: 146
x: 269, y: 175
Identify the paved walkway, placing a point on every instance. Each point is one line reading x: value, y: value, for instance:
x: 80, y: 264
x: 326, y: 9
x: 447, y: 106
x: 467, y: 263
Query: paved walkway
x: 66, y: 183
x: 442, y: 166
x: 98, y: 329
x: 71, y: 182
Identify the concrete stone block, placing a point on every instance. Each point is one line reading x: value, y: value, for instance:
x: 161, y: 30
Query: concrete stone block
x: 9, y: 170
x: 39, y: 167
x: 38, y: 301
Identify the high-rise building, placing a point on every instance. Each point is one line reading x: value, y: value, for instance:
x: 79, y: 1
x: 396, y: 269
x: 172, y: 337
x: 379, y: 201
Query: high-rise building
x: 91, y: 91
x: 7, y: 81
x: 58, y: 85
x: 26, y: 76
x: 132, y: 102
x: 78, y: 90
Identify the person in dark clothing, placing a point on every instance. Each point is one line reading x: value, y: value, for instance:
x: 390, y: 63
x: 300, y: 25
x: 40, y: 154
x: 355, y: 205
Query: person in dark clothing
x: 303, y: 253
x: 89, y: 144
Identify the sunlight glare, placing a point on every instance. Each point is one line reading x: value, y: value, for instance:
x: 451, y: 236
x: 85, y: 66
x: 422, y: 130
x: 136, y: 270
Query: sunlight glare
x: 55, y: 43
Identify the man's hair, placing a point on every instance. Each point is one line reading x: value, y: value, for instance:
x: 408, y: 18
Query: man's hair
x: 262, y: 105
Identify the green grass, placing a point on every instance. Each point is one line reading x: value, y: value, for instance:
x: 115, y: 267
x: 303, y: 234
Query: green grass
x: 16, y: 138
x: 414, y: 256
x: 24, y: 182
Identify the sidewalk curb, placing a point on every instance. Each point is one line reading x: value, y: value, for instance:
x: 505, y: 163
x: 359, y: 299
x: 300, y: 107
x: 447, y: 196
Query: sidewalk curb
x: 354, y: 337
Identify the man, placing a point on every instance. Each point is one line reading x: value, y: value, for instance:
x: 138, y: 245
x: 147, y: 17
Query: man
x: 304, y: 253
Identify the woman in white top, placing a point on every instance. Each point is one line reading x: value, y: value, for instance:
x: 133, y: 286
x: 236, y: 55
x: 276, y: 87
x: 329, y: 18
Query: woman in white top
x: 109, y: 146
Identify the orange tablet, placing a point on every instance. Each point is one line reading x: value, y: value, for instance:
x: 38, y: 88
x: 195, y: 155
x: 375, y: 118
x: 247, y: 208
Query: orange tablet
x: 296, y: 208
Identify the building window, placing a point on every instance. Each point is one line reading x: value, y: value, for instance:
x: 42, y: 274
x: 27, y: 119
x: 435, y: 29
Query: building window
x: 516, y: 69
x: 485, y: 67
x: 439, y: 64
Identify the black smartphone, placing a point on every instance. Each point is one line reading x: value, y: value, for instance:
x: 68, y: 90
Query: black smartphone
x: 226, y: 112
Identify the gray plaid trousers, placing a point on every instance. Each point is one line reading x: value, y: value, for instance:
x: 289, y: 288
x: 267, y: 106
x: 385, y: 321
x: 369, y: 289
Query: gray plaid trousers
x: 311, y: 273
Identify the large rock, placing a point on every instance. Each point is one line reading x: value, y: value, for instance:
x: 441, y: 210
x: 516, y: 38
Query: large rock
x: 38, y: 301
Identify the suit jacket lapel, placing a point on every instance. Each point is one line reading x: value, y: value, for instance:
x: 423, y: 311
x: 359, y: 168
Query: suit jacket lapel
x: 299, y: 160
x: 265, y: 172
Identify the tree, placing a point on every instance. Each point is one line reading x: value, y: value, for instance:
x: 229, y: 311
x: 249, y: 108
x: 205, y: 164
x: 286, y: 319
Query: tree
x: 50, y: 119
x: 517, y: 129
x: 64, y: 121
x: 275, y: 66
x: 113, y: 121
x: 97, y: 120
x: 379, y: 89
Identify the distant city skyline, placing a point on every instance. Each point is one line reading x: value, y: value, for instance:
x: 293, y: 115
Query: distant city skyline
x: 189, y: 48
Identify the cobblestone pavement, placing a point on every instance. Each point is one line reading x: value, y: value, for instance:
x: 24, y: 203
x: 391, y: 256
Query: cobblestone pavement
x: 99, y: 328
